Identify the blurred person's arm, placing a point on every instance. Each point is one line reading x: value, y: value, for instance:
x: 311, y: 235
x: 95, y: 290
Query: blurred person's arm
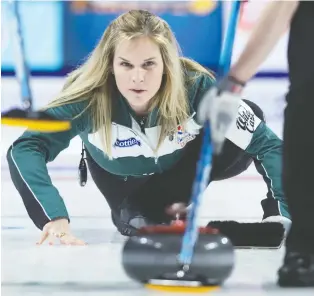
x: 271, y: 25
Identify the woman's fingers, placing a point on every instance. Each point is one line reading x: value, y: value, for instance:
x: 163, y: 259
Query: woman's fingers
x: 44, y: 236
x: 53, y: 232
x: 67, y: 239
x: 51, y: 239
x: 71, y: 240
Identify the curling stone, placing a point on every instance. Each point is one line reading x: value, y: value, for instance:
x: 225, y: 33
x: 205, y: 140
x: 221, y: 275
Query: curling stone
x: 151, y: 258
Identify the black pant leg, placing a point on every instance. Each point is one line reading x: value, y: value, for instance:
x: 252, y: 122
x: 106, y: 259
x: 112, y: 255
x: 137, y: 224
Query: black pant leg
x: 114, y: 188
x: 298, y: 163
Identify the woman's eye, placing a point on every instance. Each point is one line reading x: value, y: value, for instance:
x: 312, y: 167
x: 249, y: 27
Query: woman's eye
x: 149, y: 64
x: 125, y: 64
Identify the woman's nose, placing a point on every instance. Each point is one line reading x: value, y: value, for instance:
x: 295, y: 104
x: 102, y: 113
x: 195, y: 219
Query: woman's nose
x: 138, y: 76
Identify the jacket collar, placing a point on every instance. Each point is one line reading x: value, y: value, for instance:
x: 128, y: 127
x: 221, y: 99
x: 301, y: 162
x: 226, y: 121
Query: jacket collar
x: 122, y: 113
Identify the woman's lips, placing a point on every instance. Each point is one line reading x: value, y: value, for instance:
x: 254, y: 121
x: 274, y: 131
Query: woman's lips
x: 138, y: 91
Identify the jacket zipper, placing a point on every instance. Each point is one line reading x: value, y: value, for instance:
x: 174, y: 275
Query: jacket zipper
x: 142, y: 126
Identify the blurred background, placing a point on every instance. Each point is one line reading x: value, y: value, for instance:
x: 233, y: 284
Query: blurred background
x: 59, y: 35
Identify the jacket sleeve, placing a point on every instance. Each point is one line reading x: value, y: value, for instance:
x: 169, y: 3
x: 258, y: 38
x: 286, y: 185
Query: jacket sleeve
x: 27, y: 158
x: 253, y: 136
x: 258, y: 140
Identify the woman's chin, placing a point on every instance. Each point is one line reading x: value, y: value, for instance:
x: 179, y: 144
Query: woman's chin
x: 139, y: 106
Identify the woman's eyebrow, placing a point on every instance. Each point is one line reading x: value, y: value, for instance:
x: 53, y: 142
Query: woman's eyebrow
x: 152, y: 58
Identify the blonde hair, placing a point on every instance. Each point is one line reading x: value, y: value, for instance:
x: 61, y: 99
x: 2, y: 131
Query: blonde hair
x: 93, y: 81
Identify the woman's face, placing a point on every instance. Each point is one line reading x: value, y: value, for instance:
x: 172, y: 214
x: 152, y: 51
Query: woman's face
x: 138, y: 69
